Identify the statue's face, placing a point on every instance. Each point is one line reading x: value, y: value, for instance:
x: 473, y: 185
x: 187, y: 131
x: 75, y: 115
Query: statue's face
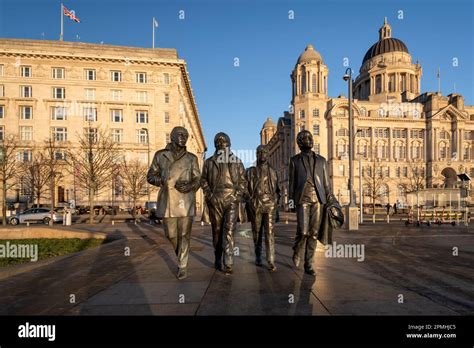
x: 180, y: 137
x: 221, y: 143
x: 262, y: 155
x: 305, y: 141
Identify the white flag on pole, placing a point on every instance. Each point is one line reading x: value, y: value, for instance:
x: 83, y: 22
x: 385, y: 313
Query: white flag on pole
x: 155, y: 22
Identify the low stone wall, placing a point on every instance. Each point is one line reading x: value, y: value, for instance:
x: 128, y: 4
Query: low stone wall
x: 47, y: 232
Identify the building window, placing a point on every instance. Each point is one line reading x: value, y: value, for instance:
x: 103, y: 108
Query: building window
x: 141, y: 96
x: 59, y: 113
x: 399, y: 151
x: 59, y: 133
x: 398, y: 172
x: 405, y: 172
x: 315, y: 112
x: 60, y: 155
x: 341, y: 149
x: 25, y: 156
x: 381, y: 151
x: 466, y: 153
x: 301, y: 113
x: 341, y: 170
x: 2, y: 91
x: 316, y: 129
x: 140, y: 77
x: 416, y: 133
x: 89, y: 93
x: 363, y: 132
x: 317, y: 148
x: 167, y: 98
x: 26, y: 112
x: 91, y: 134
x: 1, y: 69
x: 382, y: 112
x: 90, y: 74
x: 363, y: 112
x: 90, y: 114
x: 2, y: 111
x: 25, y: 71
x: 416, y: 151
x: 443, y: 135
x: 391, y: 82
x: 403, y: 82
x: 443, y: 151
x: 116, y: 94
x: 167, y: 117
x: 166, y: 78
x: 378, y: 84
x: 381, y: 132
x: 399, y: 133
x: 168, y: 138
x: 2, y: 132
x: 26, y: 92
x: 142, y: 136
x: 59, y: 93
x: 26, y: 133
x: 116, y: 76
x: 116, y: 115
x: 117, y: 135
x: 142, y: 116
x: 342, y: 132
x: 58, y: 73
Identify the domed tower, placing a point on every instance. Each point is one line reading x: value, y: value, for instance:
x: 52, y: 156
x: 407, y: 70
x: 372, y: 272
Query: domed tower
x: 387, y: 71
x: 309, y: 98
x: 269, y: 128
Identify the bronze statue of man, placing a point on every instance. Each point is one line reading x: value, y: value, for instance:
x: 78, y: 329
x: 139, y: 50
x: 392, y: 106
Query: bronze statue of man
x: 223, y: 183
x: 310, y: 191
x: 176, y: 172
x: 263, y: 197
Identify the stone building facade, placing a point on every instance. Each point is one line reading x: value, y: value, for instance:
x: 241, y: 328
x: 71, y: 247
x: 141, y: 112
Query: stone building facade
x: 61, y: 89
x: 399, y: 130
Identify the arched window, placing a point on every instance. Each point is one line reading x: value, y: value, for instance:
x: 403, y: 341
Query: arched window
x: 313, y: 84
x: 444, y: 135
x: 341, y: 148
x: 381, y: 150
x: 363, y: 149
x: 363, y: 112
x: 466, y: 152
x: 416, y: 150
x: 399, y: 150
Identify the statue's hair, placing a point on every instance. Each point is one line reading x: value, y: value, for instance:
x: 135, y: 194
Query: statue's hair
x: 175, y: 131
x: 299, y: 137
x: 221, y: 135
x: 262, y: 147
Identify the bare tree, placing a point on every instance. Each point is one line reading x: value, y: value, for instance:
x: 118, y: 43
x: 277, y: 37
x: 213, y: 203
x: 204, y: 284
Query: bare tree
x: 375, y: 179
x: 93, y: 161
x: 8, y: 168
x: 34, y: 175
x: 416, y: 178
x: 133, y: 176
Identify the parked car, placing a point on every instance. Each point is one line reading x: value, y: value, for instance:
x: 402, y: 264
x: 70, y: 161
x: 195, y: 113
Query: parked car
x: 35, y: 215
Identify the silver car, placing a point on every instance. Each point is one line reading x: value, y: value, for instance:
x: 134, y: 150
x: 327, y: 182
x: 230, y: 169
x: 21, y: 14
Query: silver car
x: 35, y: 215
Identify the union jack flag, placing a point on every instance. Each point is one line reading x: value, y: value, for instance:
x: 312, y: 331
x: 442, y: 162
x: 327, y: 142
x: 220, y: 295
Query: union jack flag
x: 71, y: 14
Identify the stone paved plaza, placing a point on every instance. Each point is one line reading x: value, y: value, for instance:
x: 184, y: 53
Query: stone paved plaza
x: 416, y: 263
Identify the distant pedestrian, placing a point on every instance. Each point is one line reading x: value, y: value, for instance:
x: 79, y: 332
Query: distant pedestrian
x: 388, y: 206
x: 395, y: 208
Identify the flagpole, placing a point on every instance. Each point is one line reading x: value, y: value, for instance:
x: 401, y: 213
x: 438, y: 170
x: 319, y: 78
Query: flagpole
x: 153, y: 25
x: 439, y: 81
x: 61, y: 37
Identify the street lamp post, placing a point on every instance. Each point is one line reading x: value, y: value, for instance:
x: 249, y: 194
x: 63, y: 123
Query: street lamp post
x: 361, y: 192
x: 353, y: 223
x: 148, y: 161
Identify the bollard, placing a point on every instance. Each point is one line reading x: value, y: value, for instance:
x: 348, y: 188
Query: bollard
x: 388, y: 218
x: 113, y: 222
x: 27, y: 224
x: 286, y: 221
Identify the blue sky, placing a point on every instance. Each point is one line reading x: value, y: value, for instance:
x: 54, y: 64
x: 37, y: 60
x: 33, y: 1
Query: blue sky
x: 267, y: 43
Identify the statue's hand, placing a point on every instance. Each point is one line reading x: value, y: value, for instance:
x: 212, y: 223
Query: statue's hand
x: 334, y: 211
x: 184, y: 186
